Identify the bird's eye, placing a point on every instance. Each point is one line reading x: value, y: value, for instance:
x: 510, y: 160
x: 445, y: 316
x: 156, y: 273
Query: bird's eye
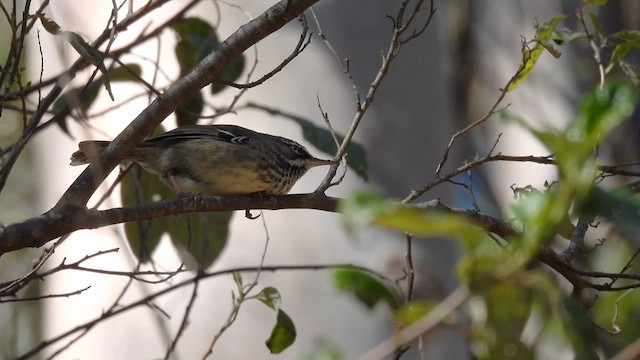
x: 297, y: 149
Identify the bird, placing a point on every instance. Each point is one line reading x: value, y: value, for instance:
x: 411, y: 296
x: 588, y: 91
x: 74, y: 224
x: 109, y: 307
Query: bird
x: 216, y: 160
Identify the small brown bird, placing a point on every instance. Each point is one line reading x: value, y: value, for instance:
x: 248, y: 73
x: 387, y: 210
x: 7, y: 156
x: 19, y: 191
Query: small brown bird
x: 216, y: 160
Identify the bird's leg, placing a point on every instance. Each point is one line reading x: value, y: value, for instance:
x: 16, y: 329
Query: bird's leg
x: 174, y: 184
x: 248, y: 215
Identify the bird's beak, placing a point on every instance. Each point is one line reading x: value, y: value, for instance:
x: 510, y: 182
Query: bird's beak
x: 313, y: 162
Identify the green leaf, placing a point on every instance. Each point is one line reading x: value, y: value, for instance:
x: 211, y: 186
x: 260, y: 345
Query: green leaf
x: 196, y: 40
x: 619, y: 52
x: 606, y: 107
x: 631, y: 73
x: 528, y: 205
x: 82, y: 97
x: 237, y: 279
x: 620, y: 207
x: 413, y: 311
x: 427, y: 223
x: 597, y: 24
x: 530, y: 56
x: 325, y: 350
x: 189, y: 112
x: 362, y: 208
x: 200, y: 238
x: 545, y: 214
x: 595, y: 2
x: 629, y: 37
x: 321, y: 139
x: 49, y: 25
x: 282, y: 335
x: 508, y: 310
x: 84, y: 49
x: 366, y: 208
x: 368, y: 289
x: 630, y: 40
x: 601, y: 111
x: 139, y: 187
x: 89, y: 54
x: 270, y: 296
x: 128, y: 72
x: 231, y: 73
x: 580, y: 329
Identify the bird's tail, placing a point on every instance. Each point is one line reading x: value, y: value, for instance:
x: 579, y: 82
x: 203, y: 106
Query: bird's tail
x: 88, y: 152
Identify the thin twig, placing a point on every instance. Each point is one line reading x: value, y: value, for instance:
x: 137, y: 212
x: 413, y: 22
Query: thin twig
x: 391, y: 53
x: 302, y: 44
x: 42, y: 297
x: 546, y: 160
x: 594, y: 46
x: 185, y: 320
x: 492, y: 111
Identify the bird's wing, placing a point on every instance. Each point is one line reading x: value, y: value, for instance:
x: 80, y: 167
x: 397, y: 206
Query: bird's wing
x: 227, y: 133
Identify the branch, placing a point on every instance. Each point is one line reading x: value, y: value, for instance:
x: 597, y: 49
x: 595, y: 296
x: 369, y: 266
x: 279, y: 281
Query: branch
x: 546, y: 160
x: 577, y: 246
x: 302, y: 44
x: 594, y: 46
x: 62, y: 220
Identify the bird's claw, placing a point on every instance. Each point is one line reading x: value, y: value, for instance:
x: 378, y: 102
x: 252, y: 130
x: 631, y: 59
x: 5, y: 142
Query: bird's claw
x: 247, y: 214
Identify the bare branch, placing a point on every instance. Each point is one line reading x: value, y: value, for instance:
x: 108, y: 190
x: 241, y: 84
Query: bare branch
x: 492, y: 111
x: 576, y: 246
x: 62, y: 220
x: 41, y: 297
x: 547, y: 160
x: 302, y: 44
x: 594, y: 47
x: 391, y: 53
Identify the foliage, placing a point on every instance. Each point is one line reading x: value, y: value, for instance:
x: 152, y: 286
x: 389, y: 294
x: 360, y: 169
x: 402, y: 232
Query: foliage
x: 506, y: 281
x: 515, y: 269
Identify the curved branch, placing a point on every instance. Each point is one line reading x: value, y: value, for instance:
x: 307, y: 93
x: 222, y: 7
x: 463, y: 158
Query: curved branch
x: 302, y: 44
